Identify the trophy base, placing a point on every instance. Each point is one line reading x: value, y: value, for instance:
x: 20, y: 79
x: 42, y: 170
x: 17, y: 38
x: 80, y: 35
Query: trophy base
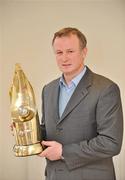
x: 27, y: 150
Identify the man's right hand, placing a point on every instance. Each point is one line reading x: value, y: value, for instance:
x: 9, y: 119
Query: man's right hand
x: 11, y: 128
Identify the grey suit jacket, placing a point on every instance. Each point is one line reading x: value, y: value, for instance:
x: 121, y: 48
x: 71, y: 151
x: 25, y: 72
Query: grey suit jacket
x: 90, y: 129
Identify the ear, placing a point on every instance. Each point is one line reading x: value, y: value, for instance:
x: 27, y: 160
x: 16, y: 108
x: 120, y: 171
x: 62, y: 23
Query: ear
x: 84, y: 51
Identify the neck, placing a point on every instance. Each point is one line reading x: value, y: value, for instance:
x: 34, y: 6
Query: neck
x: 68, y: 76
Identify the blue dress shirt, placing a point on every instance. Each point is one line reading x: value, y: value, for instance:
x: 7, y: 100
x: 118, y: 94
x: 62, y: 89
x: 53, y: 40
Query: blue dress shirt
x: 66, y: 91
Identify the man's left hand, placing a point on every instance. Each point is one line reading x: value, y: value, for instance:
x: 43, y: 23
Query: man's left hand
x: 53, y: 151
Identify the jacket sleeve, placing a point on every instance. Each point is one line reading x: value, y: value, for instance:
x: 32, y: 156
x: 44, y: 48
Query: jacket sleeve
x: 107, y: 143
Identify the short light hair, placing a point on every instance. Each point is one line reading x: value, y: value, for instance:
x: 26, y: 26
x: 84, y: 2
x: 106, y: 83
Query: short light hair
x: 67, y: 32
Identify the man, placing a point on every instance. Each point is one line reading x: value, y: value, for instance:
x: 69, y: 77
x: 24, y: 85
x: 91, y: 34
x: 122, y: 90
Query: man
x: 82, y: 116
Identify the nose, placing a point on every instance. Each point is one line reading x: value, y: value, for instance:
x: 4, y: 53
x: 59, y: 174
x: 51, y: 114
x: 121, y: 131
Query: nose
x: 65, y: 57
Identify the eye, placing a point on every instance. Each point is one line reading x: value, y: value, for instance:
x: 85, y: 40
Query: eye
x: 70, y: 51
x: 59, y: 52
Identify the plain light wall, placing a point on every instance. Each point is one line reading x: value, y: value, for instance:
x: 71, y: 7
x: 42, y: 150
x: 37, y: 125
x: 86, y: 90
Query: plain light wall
x: 26, y: 31
x: 0, y: 92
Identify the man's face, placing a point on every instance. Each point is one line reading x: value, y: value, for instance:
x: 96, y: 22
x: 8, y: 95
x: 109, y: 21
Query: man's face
x: 69, y: 55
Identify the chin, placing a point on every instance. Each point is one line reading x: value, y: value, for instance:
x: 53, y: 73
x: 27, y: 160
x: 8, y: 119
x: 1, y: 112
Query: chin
x: 66, y: 71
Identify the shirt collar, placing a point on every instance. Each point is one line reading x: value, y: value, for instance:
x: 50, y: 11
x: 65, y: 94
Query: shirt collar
x: 75, y: 80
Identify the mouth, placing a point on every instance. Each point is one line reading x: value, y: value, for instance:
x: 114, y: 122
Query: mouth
x: 66, y: 65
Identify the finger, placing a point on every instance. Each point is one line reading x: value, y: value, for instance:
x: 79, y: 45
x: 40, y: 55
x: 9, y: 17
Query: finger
x: 47, y: 143
x: 43, y: 153
x: 11, y: 127
x: 40, y: 155
x: 14, y: 125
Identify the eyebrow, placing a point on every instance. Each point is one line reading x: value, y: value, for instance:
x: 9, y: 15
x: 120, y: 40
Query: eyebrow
x: 66, y: 49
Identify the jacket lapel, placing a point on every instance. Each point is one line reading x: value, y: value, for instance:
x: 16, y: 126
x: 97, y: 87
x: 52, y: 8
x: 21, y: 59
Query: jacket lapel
x: 53, y: 101
x: 79, y: 94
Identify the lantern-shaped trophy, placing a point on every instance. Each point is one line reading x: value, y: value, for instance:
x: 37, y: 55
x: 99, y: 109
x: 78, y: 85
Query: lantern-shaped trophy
x: 25, y: 120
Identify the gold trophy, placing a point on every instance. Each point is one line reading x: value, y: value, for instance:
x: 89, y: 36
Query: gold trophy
x: 25, y: 120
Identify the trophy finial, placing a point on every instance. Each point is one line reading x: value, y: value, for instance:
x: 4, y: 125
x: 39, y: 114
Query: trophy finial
x: 18, y: 67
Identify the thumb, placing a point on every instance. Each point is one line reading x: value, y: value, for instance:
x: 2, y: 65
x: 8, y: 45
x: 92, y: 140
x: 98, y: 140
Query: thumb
x: 47, y: 143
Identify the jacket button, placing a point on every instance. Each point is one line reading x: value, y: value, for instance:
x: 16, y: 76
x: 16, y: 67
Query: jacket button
x: 58, y: 130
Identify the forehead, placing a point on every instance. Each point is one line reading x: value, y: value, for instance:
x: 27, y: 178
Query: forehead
x: 69, y: 41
